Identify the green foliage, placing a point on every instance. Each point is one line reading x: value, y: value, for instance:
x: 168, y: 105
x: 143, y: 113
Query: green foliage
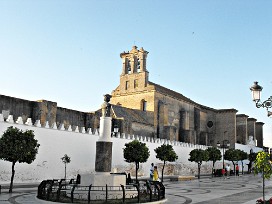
x: 166, y: 153
x: 262, y: 165
x: 252, y: 156
x: 136, y: 152
x: 18, y: 146
x: 232, y: 155
x: 214, y: 154
x: 198, y: 156
x: 242, y: 155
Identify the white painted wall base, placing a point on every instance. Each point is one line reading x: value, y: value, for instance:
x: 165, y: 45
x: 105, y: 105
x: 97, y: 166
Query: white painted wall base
x: 81, y: 148
x: 102, y: 179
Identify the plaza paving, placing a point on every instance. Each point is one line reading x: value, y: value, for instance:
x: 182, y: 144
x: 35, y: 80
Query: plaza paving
x: 243, y: 189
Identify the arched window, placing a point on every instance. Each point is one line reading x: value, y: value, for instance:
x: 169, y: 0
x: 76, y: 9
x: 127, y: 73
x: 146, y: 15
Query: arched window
x: 138, y: 65
x: 128, y: 67
x: 143, y: 105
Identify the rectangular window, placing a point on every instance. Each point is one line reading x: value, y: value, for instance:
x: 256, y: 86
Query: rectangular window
x: 135, y: 83
x: 127, y: 85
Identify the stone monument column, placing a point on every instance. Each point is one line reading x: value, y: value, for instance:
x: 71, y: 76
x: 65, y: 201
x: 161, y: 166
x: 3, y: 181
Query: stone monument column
x: 103, y: 159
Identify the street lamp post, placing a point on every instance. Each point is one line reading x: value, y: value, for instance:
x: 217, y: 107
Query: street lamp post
x: 256, y: 90
x: 224, y: 145
x: 115, y: 130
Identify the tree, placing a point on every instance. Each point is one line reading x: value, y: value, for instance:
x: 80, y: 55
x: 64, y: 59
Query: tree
x: 214, y: 155
x: 251, y: 157
x: 18, y: 146
x: 165, y: 153
x: 262, y: 165
x: 233, y: 156
x: 198, y: 156
x: 242, y: 156
x: 66, y: 160
x: 137, y: 152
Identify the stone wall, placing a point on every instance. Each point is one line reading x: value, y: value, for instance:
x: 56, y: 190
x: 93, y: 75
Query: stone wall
x: 241, y: 126
x: 18, y: 107
x: 134, y: 101
x: 251, y: 131
x: 45, y: 111
x: 142, y: 129
x: 259, y: 133
x: 226, y: 126
x: 81, y: 148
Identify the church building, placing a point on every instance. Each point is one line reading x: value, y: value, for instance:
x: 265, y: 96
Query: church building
x: 141, y: 107
x: 171, y: 115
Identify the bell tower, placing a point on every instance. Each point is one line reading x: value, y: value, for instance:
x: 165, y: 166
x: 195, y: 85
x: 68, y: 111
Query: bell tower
x: 134, y: 76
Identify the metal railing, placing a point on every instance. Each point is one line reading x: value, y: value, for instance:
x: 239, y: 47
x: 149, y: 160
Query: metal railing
x: 69, y: 192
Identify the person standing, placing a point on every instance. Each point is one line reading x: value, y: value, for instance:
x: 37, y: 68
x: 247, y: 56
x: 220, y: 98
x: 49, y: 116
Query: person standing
x: 155, y: 174
x: 151, y: 172
x: 223, y: 173
x: 228, y: 170
x: 237, y: 170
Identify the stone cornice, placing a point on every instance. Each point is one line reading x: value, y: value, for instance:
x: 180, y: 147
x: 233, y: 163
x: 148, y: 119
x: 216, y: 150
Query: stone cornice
x: 252, y: 119
x: 242, y: 115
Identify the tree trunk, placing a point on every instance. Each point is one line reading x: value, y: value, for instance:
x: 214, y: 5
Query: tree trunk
x: 12, y: 177
x: 162, y: 171
x: 234, y: 169
x: 65, y: 172
x: 263, y: 186
x: 199, y: 165
x: 137, y: 167
x: 213, y: 168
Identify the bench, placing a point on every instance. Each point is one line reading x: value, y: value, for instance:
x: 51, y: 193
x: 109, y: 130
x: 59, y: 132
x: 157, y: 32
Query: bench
x: 182, y: 178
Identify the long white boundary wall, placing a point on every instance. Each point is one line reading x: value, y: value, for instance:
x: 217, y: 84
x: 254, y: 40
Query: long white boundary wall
x: 80, y: 146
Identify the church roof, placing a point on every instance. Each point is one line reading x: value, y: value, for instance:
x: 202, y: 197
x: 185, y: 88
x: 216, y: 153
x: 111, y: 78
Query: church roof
x: 177, y: 95
x: 171, y: 92
x: 133, y: 115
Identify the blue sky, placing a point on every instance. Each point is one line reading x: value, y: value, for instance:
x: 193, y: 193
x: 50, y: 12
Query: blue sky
x: 68, y: 51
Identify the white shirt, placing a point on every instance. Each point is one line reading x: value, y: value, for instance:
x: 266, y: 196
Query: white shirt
x: 228, y: 168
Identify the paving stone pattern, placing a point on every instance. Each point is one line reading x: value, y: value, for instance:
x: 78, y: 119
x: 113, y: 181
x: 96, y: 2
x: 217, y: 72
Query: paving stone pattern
x: 244, y: 189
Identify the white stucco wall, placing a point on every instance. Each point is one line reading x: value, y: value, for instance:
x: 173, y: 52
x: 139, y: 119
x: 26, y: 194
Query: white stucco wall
x: 81, y: 148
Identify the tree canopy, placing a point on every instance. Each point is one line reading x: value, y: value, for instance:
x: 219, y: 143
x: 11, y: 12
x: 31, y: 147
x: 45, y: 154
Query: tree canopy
x: 198, y: 156
x: 262, y: 165
x: 66, y: 160
x: 232, y: 155
x: 136, y: 152
x: 18, y: 146
x: 165, y: 153
x: 251, y: 157
x: 214, y: 154
x: 242, y: 156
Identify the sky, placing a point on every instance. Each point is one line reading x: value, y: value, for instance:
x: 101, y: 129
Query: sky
x: 68, y: 51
